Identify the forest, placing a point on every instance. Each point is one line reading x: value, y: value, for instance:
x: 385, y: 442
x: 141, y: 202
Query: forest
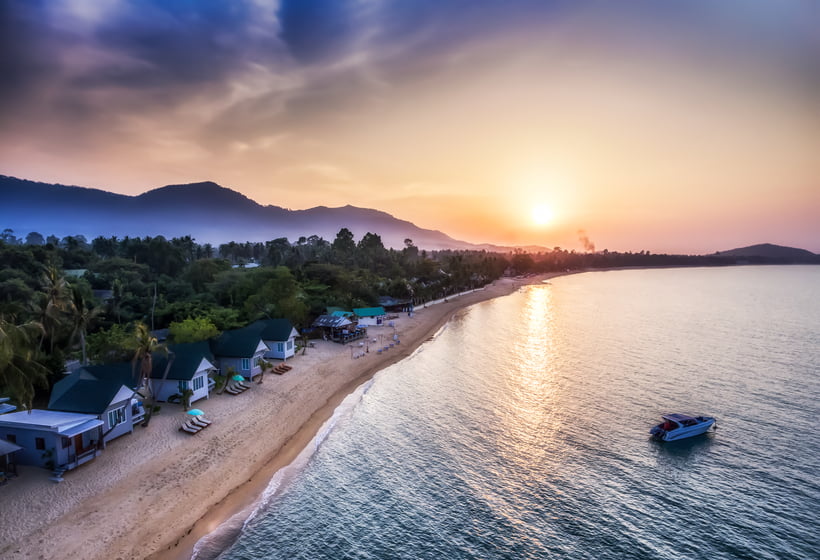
x: 100, y: 301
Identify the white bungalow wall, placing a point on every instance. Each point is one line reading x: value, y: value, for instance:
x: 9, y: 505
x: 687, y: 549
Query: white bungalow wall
x: 282, y: 349
x: 126, y: 425
x: 172, y: 386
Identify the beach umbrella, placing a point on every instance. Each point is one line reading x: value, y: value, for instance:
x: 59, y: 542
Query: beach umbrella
x: 238, y: 377
x: 195, y: 412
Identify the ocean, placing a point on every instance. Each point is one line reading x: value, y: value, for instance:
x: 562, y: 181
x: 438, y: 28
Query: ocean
x: 521, y: 430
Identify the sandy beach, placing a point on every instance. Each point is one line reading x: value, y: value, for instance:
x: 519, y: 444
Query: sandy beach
x: 154, y: 493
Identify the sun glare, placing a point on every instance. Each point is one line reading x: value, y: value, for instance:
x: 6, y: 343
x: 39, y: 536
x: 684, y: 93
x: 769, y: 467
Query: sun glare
x: 541, y: 215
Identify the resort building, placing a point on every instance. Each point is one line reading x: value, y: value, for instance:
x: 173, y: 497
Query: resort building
x: 370, y: 316
x: 52, y: 439
x: 240, y: 350
x: 339, y: 328
x: 106, y: 392
x: 189, y: 366
x: 279, y: 336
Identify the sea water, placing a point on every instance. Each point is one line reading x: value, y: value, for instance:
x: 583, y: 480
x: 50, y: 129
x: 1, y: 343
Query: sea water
x: 521, y: 430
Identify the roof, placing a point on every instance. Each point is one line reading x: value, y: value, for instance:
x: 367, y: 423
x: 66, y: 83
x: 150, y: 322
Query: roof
x: 51, y: 420
x: 387, y: 301
x: 7, y: 447
x: 330, y: 321
x: 678, y: 417
x: 185, y: 364
x: 237, y: 343
x: 91, y: 389
x: 340, y: 313
x: 5, y: 408
x: 369, y: 311
x: 274, y: 329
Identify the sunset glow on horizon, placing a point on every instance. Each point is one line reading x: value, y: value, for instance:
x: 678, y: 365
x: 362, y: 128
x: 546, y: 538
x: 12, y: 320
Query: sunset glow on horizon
x: 685, y: 128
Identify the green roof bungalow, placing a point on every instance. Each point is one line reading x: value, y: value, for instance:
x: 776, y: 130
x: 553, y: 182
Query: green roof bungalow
x: 279, y: 336
x: 240, y: 349
x: 52, y: 439
x: 191, y: 368
x: 370, y: 316
x: 106, y: 392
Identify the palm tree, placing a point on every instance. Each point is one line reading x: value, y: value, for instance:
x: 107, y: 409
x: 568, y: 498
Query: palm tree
x: 20, y: 371
x: 143, y: 362
x: 54, y: 302
x: 264, y: 365
x: 82, y: 315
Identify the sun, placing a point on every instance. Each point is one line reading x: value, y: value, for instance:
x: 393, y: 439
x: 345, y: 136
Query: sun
x: 541, y: 215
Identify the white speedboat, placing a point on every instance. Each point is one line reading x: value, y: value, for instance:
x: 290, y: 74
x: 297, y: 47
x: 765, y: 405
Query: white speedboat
x: 680, y: 426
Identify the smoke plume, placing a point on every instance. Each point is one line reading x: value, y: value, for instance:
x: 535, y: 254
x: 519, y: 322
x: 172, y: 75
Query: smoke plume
x: 589, y: 246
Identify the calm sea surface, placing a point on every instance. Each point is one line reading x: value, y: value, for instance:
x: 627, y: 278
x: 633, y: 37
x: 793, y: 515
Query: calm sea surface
x: 521, y: 431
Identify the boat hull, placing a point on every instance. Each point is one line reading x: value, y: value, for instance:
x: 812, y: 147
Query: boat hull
x: 683, y: 432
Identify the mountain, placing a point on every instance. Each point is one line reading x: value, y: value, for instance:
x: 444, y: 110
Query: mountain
x: 769, y: 253
x: 206, y: 211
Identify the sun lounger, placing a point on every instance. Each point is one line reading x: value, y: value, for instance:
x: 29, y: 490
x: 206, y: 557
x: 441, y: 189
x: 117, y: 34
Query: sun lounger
x: 235, y: 388
x: 200, y: 422
x: 188, y: 428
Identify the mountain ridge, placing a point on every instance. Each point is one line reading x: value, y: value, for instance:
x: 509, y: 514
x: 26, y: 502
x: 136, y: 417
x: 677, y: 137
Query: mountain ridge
x: 207, y: 211
x: 212, y: 213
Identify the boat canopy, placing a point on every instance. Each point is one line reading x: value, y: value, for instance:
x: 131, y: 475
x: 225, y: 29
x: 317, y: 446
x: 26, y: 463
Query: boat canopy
x: 677, y: 417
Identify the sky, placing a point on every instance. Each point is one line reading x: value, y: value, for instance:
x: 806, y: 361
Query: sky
x: 678, y: 127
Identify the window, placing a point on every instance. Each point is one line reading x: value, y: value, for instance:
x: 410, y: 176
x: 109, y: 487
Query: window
x: 246, y: 364
x: 290, y: 345
x: 116, y: 416
x: 12, y: 438
x: 65, y: 441
x: 40, y: 443
x: 280, y: 347
x: 199, y: 382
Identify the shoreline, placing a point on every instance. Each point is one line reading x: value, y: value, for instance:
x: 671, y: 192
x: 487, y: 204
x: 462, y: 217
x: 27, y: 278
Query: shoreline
x: 154, y: 494
x: 246, y: 495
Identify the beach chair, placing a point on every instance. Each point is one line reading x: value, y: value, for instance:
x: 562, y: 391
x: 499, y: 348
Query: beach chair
x: 200, y: 422
x: 233, y: 389
x: 189, y: 429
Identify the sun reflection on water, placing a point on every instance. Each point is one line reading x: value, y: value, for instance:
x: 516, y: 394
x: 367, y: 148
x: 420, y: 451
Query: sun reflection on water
x: 531, y: 410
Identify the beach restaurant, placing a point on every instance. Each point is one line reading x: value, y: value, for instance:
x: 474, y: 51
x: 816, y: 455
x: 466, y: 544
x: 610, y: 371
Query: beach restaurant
x: 339, y: 328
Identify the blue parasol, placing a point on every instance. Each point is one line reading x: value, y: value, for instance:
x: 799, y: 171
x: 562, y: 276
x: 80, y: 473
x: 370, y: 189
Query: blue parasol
x: 195, y: 412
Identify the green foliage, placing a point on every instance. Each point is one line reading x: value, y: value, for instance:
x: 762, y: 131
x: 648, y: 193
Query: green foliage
x: 192, y: 330
x: 20, y: 368
x: 198, y: 293
x: 115, y: 344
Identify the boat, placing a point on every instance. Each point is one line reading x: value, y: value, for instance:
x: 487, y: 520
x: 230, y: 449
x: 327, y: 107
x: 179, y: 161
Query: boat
x: 680, y: 426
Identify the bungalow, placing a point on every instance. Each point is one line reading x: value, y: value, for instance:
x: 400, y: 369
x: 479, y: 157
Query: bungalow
x: 240, y: 349
x: 279, y: 336
x: 52, y: 439
x: 106, y: 391
x: 370, y: 315
x: 191, y: 366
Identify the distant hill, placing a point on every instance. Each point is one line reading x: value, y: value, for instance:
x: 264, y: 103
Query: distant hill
x: 206, y: 211
x: 768, y: 252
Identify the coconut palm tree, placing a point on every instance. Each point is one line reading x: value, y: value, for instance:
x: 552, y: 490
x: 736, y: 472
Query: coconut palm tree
x: 82, y: 316
x: 20, y: 371
x: 52, y: 308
